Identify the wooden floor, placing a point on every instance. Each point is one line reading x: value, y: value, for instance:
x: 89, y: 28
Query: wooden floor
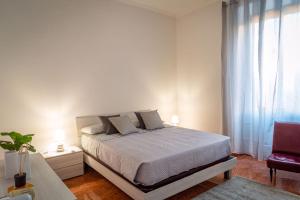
x: 93, y: 186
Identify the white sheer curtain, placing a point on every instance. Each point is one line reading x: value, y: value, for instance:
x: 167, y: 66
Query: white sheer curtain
x: 261, y: 71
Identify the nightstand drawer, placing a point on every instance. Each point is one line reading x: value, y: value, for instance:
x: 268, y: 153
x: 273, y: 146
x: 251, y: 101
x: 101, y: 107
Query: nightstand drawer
x: 65, y: 160
x: 69, y: 172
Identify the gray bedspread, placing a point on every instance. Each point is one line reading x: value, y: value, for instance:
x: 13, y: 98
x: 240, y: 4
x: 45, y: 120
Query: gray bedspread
x: 149, y: 157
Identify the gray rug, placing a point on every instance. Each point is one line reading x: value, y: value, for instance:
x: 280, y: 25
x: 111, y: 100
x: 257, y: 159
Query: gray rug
x: 243, y: 189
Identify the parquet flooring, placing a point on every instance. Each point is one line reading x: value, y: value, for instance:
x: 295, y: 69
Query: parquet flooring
x: 93, y: 186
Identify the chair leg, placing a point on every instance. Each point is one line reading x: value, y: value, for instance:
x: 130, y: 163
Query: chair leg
x: 271, y: 174
x: 275, y: 177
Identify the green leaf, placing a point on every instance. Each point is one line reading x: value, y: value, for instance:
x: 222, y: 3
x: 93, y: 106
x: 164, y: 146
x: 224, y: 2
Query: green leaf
x: 7, y: 145
x: 31, y: 148
x: 5, y: 134
x: 18, y: 140
x: 15, y: 136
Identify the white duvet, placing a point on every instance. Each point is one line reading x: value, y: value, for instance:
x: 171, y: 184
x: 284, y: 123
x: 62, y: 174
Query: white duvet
x: 149, y: 157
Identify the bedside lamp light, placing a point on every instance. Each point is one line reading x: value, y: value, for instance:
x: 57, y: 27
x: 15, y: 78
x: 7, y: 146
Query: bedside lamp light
x: 60, y: 137
x: 175, y: 120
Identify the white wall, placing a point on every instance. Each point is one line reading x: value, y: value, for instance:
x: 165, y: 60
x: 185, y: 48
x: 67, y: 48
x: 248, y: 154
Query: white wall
x: 60, y: 59
x: 199, y: 68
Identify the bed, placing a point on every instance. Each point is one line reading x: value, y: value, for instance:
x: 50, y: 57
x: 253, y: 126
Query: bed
x: 156, y: 164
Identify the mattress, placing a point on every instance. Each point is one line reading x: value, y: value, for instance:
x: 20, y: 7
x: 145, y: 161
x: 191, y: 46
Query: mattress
x: 148, y: 157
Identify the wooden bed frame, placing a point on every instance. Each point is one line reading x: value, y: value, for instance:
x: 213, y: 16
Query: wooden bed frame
x: 162, y: 192
x: 167, y: 190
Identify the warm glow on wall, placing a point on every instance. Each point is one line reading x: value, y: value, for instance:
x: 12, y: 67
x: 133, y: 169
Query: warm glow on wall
x: 175, y: 120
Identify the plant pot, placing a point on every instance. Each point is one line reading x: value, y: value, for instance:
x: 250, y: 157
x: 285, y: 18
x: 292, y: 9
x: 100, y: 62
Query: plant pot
x: 20, y: 180
x: 11, y: 163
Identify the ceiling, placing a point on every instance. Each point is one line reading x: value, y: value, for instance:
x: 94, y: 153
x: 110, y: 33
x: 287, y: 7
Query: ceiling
x: 174, y: 8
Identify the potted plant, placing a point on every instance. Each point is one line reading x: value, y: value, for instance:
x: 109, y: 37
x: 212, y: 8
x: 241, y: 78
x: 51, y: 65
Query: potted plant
x: 20, y: 145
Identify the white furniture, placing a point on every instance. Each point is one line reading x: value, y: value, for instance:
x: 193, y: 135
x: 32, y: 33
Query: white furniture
x: 66, y: 164
x: 167, y: 190
x: 47, y: 185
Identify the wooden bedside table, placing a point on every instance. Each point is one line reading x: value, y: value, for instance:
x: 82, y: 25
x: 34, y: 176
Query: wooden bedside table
x: 66, y: 164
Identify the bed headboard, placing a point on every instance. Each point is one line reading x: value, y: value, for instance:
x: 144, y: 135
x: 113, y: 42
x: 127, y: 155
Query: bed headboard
x: 84, y: 121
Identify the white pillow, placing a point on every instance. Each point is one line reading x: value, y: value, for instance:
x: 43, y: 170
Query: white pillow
x: 92, y: 129
x: 123, y: 124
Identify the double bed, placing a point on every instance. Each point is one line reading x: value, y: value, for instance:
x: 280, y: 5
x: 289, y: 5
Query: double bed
x: 159, y: 163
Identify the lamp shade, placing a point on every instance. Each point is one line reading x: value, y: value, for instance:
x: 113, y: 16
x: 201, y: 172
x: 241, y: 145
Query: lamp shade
x: 59, y: 135
x: 175, y: 120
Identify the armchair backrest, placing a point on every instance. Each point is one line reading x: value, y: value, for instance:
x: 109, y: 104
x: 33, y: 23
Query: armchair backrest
x: 286, y: 138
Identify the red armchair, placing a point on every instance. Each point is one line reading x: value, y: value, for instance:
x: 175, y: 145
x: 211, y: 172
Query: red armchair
x: 286, y: 148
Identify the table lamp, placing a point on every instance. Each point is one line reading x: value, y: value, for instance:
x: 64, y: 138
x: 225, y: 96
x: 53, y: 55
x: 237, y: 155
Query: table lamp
x: 175, y: 120
x: 60, y: 137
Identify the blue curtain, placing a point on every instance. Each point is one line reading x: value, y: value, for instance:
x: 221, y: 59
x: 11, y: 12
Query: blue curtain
x: 261, y: 71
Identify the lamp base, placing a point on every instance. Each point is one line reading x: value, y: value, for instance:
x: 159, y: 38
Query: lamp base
x: 60, y: 148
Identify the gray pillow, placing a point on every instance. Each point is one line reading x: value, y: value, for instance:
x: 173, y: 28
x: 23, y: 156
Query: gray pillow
x: 108, y: 128
x: 123, y: 125
x: 152, y: 120
x: 133, y: 118
x: 141, y: 122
